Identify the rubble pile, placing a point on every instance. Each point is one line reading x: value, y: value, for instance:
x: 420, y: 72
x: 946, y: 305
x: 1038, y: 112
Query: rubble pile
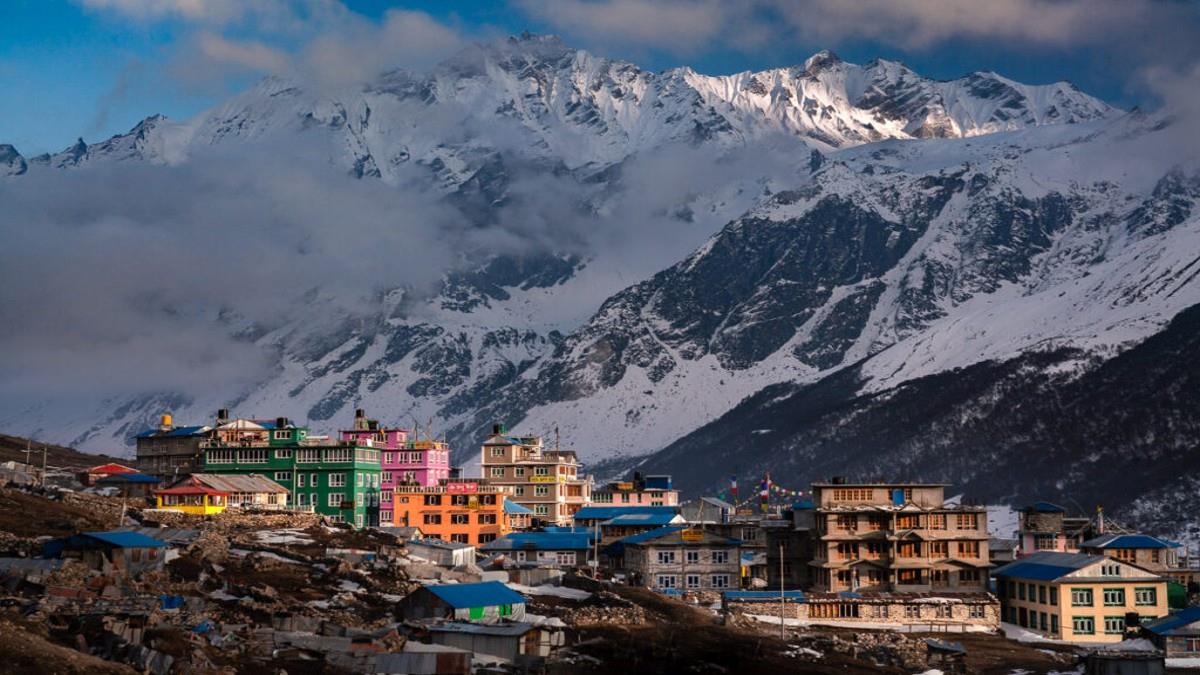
x: 604, y: 607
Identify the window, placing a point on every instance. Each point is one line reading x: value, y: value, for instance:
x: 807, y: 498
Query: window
x: 433, y: 500
x: 385, y: 516
x: 505, y: 610
x: 1042, y: 596
x: 519, y: 471
x: 541, y: 471
x: 487, y: 519
x: 1143, y: 597
x: 301, y: 499
x: 220, y: 457
x: 488, y: 538
x: 299, y: 480
x: 939, y: 577
x: 497, y: 452
x: 666, y: 557
x: 692, y: 581
x: 912, y: 611
x: 519, y: 490
x: 358, y: 479
x: 281, y: 434
x: 312, y: 480
x: 847, y: 522
x: 975, y: 611
x: 853, y: 495
x: 720, y: 557
x: 565, y: 557
x: 386, y: 476
x: 666, y: 581
x: 335, y: 500
x: 541, y: 509
x: 966, y: 521
x: 337, y: 480
x: 283, y: 453
x: 339, y: 455
x: 1111, y: 570
x: 909, y: 522
x: 968, y: 549
x: 497, y: 472
x: 308, y: 456
x: 1126, y: 554
x: 692, y: 556
x: 283, y: 475
x: 387, y: 458
x: 1053, y: 595
x: 1081, y: 597
x: 460, y: 519
x: 1083, y: 625
x: 1054, y: 624
x: 937, y: 521
x: 908, y: 549
x: 908, y: 576
x: 943, y: 611
x: 1020, y: 590
x: 460, y: 538
x: 1042, y: 621
x: 939, y: 549
x: 1192, y: 645
x: 386, y: 496
x: 358, y: 520
x: 1045, y: 542
x: 432, y: 519
x: 1114, y: 625
x: 1114, y: 597
x: 541, y: 490
x: 969, y: 576
x: 720, y: 581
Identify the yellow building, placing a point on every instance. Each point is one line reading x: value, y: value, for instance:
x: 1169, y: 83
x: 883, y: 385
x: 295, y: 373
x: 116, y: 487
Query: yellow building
x: 194, y: 499
x: 1079, y: 598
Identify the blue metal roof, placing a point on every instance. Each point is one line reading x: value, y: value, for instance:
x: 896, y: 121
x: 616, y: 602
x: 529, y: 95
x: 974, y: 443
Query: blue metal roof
x: 512, y: 507
x: 650, y: 534
x: 1174, y: 621
x: 1046, y: 566
x: 803, y: 504
x: 127, y: 478
x: 1126, y: 541
x: 541, y: 541
x: 173, y: 433
x: 1045, y: 507
x: 610, y: 512
x: 124, y: 539
x: 763, y: 596
x: 484, y: 594
x: 656, y: 519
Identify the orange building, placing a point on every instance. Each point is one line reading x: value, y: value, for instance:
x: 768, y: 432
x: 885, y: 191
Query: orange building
x: 462, y: 511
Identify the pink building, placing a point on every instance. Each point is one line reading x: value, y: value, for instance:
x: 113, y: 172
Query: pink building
x: 402, y: 461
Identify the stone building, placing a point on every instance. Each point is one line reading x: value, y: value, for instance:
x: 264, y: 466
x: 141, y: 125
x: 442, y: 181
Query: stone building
x: 897, y: 537
x: 1043, y: 526
x: 638, y: 490
x: 912, y: 609
x: 1178, y: 635
x: 169, y: 451
x: 673, y: 557
x: 790, y: 536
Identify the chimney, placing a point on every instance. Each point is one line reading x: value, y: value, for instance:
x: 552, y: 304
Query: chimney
x: 838, y: 480
x: 166, y: 424
x: 222, y: 416
x: 1099, y: 520
x: 359, y: 412
x: 281, y: 422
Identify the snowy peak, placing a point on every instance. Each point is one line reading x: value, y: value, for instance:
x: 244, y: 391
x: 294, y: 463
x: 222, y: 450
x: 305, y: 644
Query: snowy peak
x: 840, y: 104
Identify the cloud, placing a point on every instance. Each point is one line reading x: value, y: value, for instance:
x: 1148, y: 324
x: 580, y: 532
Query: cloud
x: 254, y: 56
x: 274, y: 14
x: 690, y: 26
x: 358, y: 50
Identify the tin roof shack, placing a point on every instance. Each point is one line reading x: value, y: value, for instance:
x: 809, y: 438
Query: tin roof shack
x: 677, y: 558
x: 1143, y: 550
x: 1178, y: 635
x: 247, y: 491
x: 442, y: 553
x: 488, y: 600
x: 1077, y: 597
x: 617, y: 522
x: 132, y: 485
x: 128, y: 553
x: 419, y: 658
x: 521, y: 644
x: 708, y: 510
x: 95, y: 473
x: 517, y: 516
x: 20, y: 473
x: 545, y: 549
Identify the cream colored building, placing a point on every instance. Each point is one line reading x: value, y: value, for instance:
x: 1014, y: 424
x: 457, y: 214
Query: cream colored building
x: 897, y: 537
x: 547, y: 481
x: 1079, y: 598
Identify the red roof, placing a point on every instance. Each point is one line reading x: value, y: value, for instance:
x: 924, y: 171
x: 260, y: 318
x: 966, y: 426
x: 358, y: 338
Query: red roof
x: 111, y: 468
x: 191, y: 490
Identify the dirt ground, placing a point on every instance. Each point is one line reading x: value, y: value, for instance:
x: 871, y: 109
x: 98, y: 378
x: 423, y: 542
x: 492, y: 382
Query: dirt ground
x: 28, y: 515
x: 24, y: 651
x: 13, y: 448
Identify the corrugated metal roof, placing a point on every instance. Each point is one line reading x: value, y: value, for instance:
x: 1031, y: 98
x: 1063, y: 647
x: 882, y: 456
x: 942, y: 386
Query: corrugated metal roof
x: 440, y: 543
x: 230, y: 482
x: 1046, y: 566
x: 642, y: 519
x: 1045, y: 507
x: 1175, y: 621
x: 176, y: 432
x: 484, y: 594
x: 609, y: 512
x: 1126, y: 541
x: 127, y: 478
x: 763, y: 596
x: 124, y: 539
x: 512, y: 507
x: 541, y: 541
x: 495, y: 629
x: 170, y: 535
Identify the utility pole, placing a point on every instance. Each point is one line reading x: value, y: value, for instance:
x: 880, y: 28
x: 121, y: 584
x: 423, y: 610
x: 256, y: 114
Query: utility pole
x: 781, y: 603
x: 45, y: 448
x: 27, y: 450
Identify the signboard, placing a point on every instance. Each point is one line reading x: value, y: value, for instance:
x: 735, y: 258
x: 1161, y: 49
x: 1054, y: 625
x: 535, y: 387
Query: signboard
x: 544, y: 479
x: 346, y: 505
x: 473, y: 502
x: 692, y: 535
x: 625, y: 486
x: 462, y: 488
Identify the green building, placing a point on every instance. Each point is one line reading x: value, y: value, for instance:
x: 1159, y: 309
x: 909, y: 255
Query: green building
x: 339, y: 479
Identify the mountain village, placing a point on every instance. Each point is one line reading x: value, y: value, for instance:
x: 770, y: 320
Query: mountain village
x: 243, y: 543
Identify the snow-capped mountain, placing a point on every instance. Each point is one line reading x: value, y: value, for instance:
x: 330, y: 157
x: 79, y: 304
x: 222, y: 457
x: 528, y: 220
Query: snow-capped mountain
x: 860, y: 225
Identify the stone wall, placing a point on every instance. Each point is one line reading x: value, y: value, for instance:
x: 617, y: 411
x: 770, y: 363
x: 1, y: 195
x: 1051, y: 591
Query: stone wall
x: 927, y: 610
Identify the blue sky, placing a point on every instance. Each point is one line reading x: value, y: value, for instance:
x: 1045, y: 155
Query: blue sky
x: 92, y: 68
